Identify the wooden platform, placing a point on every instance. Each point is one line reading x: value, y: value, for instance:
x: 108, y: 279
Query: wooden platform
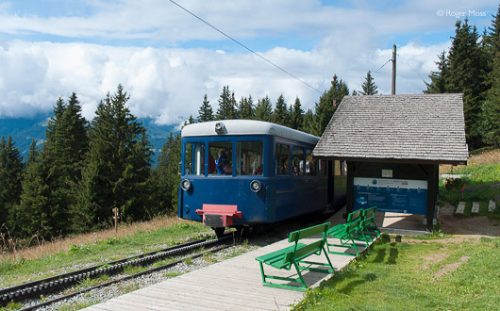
x: 234, y: 284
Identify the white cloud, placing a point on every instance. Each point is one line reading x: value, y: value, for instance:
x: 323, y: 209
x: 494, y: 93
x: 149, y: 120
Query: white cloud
x: 169, y: 84
x: 161, y: 21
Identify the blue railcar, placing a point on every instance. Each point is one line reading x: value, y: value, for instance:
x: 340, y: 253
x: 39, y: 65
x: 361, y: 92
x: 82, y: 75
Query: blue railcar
x: 243, y: 172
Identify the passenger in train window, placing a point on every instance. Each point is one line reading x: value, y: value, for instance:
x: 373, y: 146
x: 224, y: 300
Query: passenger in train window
x: 221, y: 161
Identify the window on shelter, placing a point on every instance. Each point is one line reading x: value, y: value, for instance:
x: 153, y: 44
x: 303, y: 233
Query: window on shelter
x: 249, y: 155
x: 281, y: 159
x: 194, y: 156
x: 220, y: 158
x: 297, y: 161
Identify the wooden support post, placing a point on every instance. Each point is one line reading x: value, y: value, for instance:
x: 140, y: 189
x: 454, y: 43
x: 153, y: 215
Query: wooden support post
x: 115, y: 218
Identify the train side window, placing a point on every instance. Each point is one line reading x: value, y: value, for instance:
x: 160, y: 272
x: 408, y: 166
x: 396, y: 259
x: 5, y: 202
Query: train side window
x: 249, y: 155
x: 220, y: 158
x: 297, y: 161
x: 281, y: 160
x: 310, y: 168
x: 194, y: 156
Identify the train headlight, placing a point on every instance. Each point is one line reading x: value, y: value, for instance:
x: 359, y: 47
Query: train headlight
x: 255, y: 185
x: 185, y: 184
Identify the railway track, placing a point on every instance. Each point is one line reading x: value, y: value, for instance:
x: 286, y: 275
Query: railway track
x: 56, y: 284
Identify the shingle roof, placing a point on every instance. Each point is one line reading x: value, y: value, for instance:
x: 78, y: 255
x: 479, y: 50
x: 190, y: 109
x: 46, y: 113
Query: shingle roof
x: 428, y: 127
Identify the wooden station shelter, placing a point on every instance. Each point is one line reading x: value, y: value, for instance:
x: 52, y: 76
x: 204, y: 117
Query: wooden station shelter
x: 393, y: 145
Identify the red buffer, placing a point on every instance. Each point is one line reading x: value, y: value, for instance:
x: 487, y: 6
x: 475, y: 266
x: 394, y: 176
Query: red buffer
x: 219, y: 215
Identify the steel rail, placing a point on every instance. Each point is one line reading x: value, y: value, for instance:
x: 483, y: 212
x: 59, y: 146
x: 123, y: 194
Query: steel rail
x: 54, y: 284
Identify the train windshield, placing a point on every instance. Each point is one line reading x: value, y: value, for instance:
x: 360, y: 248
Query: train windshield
x: 249, y: 155
x: 220, y: 158
x: 194, y: 158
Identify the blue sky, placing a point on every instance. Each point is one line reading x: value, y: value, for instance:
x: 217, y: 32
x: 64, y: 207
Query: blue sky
x: 168, y: 60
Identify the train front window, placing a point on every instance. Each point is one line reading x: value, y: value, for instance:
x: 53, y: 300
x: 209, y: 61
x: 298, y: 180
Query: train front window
x: 194, y: 156
x: 281, y: 160
x: 249, y: 155
x: 220, y: 158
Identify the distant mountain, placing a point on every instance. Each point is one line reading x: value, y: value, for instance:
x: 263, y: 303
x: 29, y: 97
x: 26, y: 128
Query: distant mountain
x: 23, y: 130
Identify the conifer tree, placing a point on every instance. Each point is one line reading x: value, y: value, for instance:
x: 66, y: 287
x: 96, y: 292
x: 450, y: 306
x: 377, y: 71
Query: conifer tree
x: 227, y: 105
x: 280, y: 113
x: 369, y: 87
x: 165, y: 176
x: 62, y: 157
x: 467, y: 74
x: 328, y: 103
x: 440, y: 77
x: 490, y: 114
x: 264, y: 109
x: 296, y: 115
x: 308, y: 123
x: 11, y: 168
x: 117, y: 166
x: 205, y: 113
x: 32, y: 216
x: 246, y: 109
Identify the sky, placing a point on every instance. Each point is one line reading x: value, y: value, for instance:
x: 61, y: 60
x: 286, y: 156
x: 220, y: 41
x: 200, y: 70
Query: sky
x: 167, y: 59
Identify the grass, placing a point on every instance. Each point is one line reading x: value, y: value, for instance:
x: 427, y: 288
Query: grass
x: 480, y: 184
x: 17, y: 268
x: 426, y: 275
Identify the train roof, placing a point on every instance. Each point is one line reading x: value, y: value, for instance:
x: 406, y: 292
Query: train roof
x: 246, y: 127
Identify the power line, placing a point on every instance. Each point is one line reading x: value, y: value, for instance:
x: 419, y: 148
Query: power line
x: 246, y: 47
x: 383, y: 65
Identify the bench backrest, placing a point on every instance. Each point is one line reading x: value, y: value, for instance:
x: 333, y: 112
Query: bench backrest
x: 295, y: 236
x: 370, y: 214
x: 355, y: 215
x: 305, y: 251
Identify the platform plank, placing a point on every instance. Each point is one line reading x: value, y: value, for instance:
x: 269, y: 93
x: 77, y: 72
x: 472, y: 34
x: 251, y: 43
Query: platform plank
x: 233, y: 284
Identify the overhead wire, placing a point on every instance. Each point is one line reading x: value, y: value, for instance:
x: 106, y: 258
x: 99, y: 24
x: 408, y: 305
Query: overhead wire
x: 382, y: 66
x: 246, y: 47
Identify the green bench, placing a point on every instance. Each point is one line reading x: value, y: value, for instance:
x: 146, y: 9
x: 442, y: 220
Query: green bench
x: 360, y: 225
x: 369, y: 224
x: 295, y: 256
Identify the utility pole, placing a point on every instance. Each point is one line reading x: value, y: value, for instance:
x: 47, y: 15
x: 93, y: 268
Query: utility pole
x: 393, y: 88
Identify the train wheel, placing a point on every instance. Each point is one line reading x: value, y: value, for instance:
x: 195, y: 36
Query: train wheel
x: 219, y: 231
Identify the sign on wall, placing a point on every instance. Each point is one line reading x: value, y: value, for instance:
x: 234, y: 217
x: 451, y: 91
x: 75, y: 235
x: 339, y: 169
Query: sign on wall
x: 391, y: 195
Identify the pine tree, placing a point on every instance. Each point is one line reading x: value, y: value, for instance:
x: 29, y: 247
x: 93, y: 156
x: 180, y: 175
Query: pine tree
x: 369, y: 87
x: 32, y: 216
x: 118, y: 165
x: 308, y: 123
x: 439, y: 78
x: 11, y: 168
x: 165, y: 177
x: 296, y: 115
x: 280, y: 113
x: 328, y: 103
x: 227, y: 105
x: 205, y: 113
x: 264, y: 109
x: 490, y: 114
x: 467, y: 74
x: 246, y: 109
x: 62, y: 157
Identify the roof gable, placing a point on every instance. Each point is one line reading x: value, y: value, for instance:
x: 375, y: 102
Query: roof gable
x: 427, y: 127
